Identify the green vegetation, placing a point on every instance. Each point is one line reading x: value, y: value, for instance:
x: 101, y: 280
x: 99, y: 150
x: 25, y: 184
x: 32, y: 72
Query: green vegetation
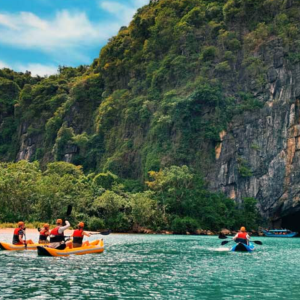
x: 255, y: 147
x: 158, y: 96
x: 243, y: 168
x: 174, y: 199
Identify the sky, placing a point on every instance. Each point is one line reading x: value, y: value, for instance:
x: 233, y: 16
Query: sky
x: 40, y: 35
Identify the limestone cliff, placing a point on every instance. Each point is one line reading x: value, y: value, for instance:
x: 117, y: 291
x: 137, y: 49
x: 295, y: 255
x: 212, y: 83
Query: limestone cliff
x: 266, y: 142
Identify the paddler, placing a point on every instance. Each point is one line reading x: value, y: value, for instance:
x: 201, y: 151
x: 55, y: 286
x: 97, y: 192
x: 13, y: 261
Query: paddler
x: 44, y: 233
x: 19, y: 233
x: 242, y: 236
x: 57, y: 236
x: 78, y: 236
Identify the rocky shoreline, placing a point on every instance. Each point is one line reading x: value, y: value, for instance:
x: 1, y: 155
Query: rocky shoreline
x: 223, y: 232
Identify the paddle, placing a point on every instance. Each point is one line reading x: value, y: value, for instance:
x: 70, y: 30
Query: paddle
x: 25, y: 239
x: 62, y: 245
x: 225, y: 242
x: 255, y: 242
x: 107, y: 232
x: 69, y: 211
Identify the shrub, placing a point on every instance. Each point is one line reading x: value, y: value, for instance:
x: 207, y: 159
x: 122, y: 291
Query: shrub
x: 183, y: 225
x: 208, y: 53
x: 243, y: 168
x: 223, y: 67
x: 105, y: 180
x: 95, y: 224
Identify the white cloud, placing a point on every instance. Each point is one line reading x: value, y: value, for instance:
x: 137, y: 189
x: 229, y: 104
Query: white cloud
x: 123, y: 12
x: 140, y: 3
x: 3, y: 65
x: 65, y: 37
x: 34, y: 68
x: 65, y: 34
x: 37, y: 69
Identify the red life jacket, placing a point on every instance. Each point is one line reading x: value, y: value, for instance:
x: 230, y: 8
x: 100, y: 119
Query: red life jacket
x: 78, y: 236
x: 43, y: 232
x: 55, y: 236
x: 17, y: 232
x: 43, y: 236
x: 242, y: 235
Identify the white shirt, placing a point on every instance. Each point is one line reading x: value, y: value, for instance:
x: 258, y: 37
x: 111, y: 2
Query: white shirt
x: 63, y: 228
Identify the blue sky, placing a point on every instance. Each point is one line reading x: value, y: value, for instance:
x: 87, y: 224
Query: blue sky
x: 39, y: 35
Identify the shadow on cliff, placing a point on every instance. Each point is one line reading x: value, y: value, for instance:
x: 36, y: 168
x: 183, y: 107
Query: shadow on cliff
x: 292, y: 222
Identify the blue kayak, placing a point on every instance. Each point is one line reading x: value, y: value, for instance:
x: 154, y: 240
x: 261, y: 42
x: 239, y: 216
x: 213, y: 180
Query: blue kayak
x: 241, y: 247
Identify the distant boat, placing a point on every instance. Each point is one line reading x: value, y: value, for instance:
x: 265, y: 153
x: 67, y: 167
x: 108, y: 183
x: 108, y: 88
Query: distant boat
x: 282, y: 233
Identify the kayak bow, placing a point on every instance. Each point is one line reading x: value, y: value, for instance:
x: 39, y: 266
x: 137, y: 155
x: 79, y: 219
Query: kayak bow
x: 12, y: 247
x: 241, y: 247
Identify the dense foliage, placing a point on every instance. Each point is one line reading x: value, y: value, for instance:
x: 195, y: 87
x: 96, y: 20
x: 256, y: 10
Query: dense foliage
x: 174, y: 199
x: 159, y: 95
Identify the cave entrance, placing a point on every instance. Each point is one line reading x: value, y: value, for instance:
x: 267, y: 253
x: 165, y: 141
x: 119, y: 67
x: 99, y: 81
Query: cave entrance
x: 291, y: 222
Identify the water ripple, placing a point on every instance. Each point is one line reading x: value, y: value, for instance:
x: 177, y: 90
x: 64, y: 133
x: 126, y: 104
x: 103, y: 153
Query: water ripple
x: 156, y: 267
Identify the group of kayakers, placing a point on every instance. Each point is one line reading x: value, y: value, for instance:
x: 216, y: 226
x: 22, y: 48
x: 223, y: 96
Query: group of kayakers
x: 57, y: 237
x: 52, y: 238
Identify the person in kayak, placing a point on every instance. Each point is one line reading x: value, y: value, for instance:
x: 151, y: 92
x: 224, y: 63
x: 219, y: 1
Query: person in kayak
x: 19, y: 233
x: 78, y: 236
x: 57, y: 236
x: 242, y: 236
x: 44, y: 233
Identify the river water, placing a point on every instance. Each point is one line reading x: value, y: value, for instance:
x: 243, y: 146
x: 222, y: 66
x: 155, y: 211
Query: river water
x: 156, y: 267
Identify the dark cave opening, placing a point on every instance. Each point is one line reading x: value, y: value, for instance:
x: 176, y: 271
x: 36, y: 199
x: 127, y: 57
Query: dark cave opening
x: 291, y: 222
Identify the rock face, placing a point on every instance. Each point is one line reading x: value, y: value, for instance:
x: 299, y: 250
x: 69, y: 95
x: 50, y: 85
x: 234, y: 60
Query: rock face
x: 265, y: 144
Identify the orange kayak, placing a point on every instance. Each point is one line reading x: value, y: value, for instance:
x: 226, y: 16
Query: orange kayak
x: 94, y: 247
x: 12, y: 247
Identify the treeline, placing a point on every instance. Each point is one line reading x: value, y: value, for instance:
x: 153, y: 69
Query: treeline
x: 173, y: 199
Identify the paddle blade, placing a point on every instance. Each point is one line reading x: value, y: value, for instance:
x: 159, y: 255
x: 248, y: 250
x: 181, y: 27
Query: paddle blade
x: 105, y: 232
x: 222, y: 236
x: 69, y: 210
x: 257, y: 242
x: 225, y: 242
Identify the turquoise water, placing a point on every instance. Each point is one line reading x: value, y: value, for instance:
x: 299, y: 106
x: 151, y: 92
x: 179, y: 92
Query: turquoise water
x: 156, y: 267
